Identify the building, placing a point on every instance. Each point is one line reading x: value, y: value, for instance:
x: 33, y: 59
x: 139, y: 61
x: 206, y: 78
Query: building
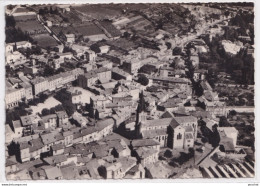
x: 228, y: 132
x: 80, y: 95
x: 183, y: 132
x: 55, y: 82
x: 15, y: 58
x: 13, y: 96
x: 62, y: 118
x: 50, y: 121
x: 39, y: 85
x: 28, y: 90
x: 132, y: 66
x: 70, y: 38
x: 18, y: 129
x: 88, y: 79
x: 28, y: 122
x: 119, y: 74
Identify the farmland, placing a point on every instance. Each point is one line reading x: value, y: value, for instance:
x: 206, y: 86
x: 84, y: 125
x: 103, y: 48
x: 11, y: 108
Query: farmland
x: 31, y: 27
x: 99, y: 12
x: 45, y: 40
x: 110, y: 28
x: 85, y: 29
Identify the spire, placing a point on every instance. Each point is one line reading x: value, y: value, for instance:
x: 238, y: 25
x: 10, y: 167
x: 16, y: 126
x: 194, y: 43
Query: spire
x: 141, y: 105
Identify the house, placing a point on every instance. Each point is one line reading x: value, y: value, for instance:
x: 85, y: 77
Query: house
x: 82, y: 121
x: 228, y: 132
x: 57, y: 160
x: 118, y: 168
x: 28, y: 122
x: 136, y: 172
x: 9, y: 134
x: 171, y: 72
x: 80, y: 96
x: 70, y: 172
x: 15, y: 58
x: 51, y: 138
x: 30, y: 69
x: 104, y: 49
x: 53, y: 173
x: 158, y: 170
x: 18, y: 129
x: 147, y: 143
x: 105, y: 127
x: 88, y: 79
x: 19, y: 175
x: 50, y: 121
x: 11, y: 165
x: 132, y: 66
x: 24, y: 152
x: 62, y: 118
x: 146, y: 156
x: 36, y: 148
x: 70, y: 38
x: 13, y: 96
x: 54, y: 82
x: 119, y: 74
x: 68, y: 138
x: 28, y: 90
x: 39, y: 84
x: 199, y: 74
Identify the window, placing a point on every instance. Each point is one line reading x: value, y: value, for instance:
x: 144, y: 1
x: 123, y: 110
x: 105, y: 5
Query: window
x: 179, y: 136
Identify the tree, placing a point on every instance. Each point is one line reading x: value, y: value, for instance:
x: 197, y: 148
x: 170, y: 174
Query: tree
x: 168, y: 153
x: 48, y: 71
x: 205, y: 140
x: 95, y: 48
x: 223, y: 122
x: 168, y: 44
x: 42, y: 98
x: 143, y: 80
x: 45, y: 112
x: 177, y: 51
x: 9, y: 21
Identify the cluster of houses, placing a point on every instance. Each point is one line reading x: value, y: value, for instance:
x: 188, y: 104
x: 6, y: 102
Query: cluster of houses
x: 120, y: 125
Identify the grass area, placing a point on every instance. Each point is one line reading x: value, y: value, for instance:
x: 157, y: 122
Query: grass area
x: 86, y: 29
x: 45, y: 40
x: 31, y: 27
x: 99, y: 11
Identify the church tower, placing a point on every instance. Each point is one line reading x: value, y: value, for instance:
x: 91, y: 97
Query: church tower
x: 140, y: 114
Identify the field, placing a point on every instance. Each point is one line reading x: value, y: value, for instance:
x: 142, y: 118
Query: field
x: 31, y: 27
x: 25, y: 18
x: 110, y: 28
x: 86, y: 29
x: 123, y: 44
x: 45, y: 40
x: 99, y: 12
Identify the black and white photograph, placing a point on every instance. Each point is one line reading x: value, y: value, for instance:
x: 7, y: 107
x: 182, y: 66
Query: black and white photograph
x: 129, y: 91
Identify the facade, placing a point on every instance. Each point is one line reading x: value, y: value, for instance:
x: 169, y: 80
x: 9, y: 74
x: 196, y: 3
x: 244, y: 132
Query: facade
x: 39, y: 85
x: 13, y: 96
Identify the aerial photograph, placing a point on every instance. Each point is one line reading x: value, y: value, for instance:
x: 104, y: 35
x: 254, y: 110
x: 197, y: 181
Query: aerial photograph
x: 129, y: 91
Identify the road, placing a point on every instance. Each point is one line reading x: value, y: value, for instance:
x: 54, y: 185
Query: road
x: 203, y: 30
x: 48, y: 29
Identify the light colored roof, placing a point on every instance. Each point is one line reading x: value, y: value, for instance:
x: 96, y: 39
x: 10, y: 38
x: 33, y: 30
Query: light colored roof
x: 157, y: 122
x: 144, y: 143
x: 53, y: 173
x: 185, y: 119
